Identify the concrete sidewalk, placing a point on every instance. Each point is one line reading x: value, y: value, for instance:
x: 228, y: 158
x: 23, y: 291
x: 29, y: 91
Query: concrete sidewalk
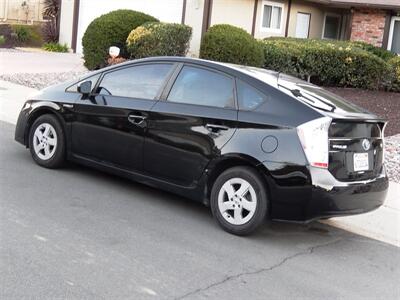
x: 12, y: 98
x: 382, y: 224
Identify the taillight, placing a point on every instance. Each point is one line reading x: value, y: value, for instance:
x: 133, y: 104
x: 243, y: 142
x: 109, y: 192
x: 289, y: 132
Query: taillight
x: 383, y: 142
x: 313, y: 136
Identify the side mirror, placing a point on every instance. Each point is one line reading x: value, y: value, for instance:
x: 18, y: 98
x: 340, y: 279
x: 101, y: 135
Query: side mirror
x: 85, y: 88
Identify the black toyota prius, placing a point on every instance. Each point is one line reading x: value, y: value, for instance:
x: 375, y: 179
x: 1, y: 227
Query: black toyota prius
x: 250, y: 143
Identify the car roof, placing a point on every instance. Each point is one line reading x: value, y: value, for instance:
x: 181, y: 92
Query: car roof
x: 263, y: 75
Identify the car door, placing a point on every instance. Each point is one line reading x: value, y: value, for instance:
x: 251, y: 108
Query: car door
x: 109, y: 125
x: 190, y: 126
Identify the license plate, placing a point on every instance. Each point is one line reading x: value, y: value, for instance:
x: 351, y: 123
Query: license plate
x: 361, y: 162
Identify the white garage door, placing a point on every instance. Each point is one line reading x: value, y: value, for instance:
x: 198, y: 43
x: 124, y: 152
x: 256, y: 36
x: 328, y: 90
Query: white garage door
x: 165, y: 11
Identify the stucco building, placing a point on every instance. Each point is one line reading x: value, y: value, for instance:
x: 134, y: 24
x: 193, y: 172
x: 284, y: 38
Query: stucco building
x: 373, y: 21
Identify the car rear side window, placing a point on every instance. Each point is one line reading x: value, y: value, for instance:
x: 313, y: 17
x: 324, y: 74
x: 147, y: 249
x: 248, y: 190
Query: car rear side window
x: 249, y: 98
x: 144, y: 81
x: 203, y: 87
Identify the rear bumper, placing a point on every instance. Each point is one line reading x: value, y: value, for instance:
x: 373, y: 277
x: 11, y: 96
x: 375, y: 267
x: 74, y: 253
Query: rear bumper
x: 322, y: 196
x: 347, y: 200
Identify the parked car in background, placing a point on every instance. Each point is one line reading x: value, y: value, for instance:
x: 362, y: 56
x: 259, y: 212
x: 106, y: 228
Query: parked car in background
x: 251, y: 143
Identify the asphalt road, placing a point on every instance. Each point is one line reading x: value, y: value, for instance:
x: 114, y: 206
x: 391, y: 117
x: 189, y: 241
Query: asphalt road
x: 79, y: 234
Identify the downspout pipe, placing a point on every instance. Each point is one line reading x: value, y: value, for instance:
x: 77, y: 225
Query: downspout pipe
x: 288, y: 18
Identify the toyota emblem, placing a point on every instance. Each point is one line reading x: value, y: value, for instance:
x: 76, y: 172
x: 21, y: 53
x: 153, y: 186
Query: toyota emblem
x: 366, y: 144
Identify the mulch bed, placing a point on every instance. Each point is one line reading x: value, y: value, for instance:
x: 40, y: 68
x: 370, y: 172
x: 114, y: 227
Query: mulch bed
x: 383, y: 104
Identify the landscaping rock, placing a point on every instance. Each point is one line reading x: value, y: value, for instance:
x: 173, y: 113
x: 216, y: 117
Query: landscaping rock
x: 392, y: 157
x: 40, y: 80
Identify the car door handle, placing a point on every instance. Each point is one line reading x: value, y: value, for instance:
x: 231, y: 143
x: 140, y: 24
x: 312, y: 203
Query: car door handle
x: 216, y: 128
x: 136, y: 119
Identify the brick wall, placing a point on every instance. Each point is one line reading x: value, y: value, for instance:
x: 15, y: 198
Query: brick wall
x: 368, y: 25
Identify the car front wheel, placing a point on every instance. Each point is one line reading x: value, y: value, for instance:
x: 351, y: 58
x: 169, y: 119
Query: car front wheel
x: 47, y: 142
x: 239, y: 200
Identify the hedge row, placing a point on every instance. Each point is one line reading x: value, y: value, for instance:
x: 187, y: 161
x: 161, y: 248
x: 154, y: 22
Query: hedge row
x: 345, y: 64
x: 227, y: 43
x: 395, y: 65
x: 330, y: 63
x: 136, y: 34
x: 109, y: 30
x: 380, y: 52
x: 159, y: 39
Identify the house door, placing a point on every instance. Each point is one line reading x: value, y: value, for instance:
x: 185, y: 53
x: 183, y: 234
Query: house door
x: 394, y: 35
x: 303, y: 25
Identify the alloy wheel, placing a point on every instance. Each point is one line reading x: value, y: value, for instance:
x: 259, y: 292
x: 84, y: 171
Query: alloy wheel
x: 237, y: 201
x: 45, y: 141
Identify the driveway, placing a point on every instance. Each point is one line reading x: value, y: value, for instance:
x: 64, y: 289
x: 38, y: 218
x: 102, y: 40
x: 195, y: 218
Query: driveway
x: 77, y: 233
x: 13, y: 62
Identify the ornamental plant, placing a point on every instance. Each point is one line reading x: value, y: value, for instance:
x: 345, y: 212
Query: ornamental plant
x: 108, y: 30
x: 159, y: 39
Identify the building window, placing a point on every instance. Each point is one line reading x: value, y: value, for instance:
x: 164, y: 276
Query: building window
x: 394, y: 35
x: 331, y: 29
x: 272, y: 13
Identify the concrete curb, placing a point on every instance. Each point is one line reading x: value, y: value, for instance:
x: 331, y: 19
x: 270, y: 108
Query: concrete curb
x: 382, y: 224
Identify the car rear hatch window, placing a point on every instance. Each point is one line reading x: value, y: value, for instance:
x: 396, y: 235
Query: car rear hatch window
x: 356, y: 149
x: 317, y: 97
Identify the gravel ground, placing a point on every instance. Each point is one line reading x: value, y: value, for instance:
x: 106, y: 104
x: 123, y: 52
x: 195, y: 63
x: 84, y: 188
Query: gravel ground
x: 392, y: 157
x: 40, y: 80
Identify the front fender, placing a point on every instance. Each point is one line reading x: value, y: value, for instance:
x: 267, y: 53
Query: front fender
x: 31, y: 111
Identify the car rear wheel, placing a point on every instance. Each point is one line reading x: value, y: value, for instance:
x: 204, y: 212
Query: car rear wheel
x: 47, y: 142
x: 239, y: 200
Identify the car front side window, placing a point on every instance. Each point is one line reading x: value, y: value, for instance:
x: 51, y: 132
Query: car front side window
x: 93, y: 79
x: 143, y: 81
x: 202, y: 87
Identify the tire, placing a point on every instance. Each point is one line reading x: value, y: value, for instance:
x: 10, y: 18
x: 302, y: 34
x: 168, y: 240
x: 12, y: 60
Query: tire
x: 48, y: 152
x: 239, y: 215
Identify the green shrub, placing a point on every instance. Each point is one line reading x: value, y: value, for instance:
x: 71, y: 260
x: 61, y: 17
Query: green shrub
x: 395, y: 66
x: 327, y: 62
x: 111, y: 29
x: 55, y: 47
x: 159, y: 39
x: 2, y: 40
x: 8, y: 34
x: 380, y: 52
x: 230, y: 44
x: 22, y: 33
x: 27, y: 35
